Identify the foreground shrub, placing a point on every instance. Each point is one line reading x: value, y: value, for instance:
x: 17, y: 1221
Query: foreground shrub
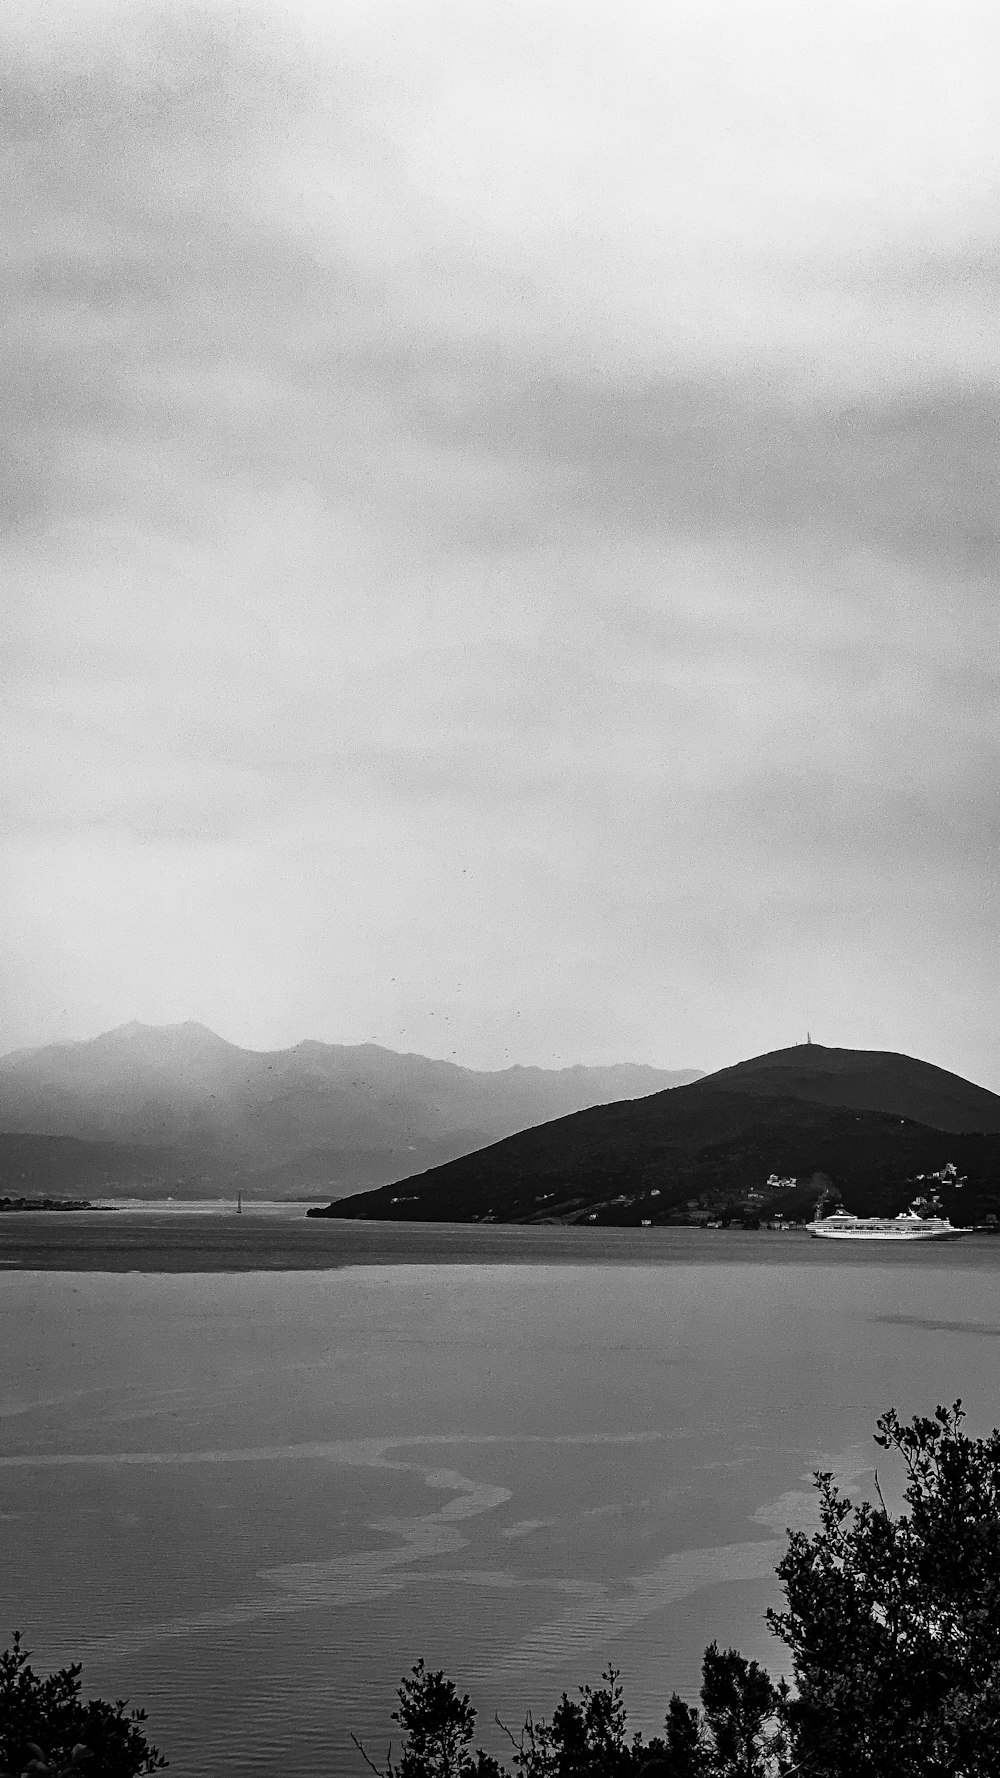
x: 48, y: 1731
x: 894, y: 1623
x: 737, y: 1731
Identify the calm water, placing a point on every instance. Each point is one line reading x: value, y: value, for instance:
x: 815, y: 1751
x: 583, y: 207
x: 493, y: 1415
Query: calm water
x: 250, y: 1500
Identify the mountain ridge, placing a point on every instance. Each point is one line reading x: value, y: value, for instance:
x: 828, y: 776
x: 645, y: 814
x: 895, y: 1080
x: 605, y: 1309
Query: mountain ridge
x: 312, y: 1117
x: 104, y: 1040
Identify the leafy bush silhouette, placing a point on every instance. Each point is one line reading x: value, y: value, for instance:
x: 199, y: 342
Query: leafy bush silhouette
x: 737, y: 1731
x: 48, y: 1731
x: 894, y: 1623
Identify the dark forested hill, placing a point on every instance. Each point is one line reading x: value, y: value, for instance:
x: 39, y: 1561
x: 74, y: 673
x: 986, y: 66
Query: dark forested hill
x: 324, y: 1118
x: 710, y: 1148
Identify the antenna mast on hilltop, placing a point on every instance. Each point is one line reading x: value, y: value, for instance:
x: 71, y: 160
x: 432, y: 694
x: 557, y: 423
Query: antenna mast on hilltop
x: 808, y: 1038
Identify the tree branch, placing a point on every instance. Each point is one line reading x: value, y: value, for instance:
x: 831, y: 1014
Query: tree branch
x: 370, y: 1763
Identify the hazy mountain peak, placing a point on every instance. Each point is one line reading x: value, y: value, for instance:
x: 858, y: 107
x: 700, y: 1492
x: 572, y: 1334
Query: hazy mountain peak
x: 187, y: 1035
x: 315, y: 1114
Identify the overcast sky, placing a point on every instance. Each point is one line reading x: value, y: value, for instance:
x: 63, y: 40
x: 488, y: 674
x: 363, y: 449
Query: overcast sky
x: 500, y: 525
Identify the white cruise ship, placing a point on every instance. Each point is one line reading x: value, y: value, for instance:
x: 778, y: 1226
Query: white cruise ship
x: 909, y: 1226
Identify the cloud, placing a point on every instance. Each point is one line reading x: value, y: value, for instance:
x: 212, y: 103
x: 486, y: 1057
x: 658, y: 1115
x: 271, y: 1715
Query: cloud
x: 501, y: 498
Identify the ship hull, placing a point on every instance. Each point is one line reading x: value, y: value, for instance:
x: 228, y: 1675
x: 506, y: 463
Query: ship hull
x: 884, y: 1234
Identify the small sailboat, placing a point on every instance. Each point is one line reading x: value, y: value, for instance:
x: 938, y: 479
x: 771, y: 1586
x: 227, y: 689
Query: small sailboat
x: 239, y: 1203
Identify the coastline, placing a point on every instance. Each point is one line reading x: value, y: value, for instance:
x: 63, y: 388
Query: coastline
x: 177, y: 1240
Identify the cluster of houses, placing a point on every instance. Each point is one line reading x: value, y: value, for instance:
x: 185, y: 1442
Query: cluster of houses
x: 760, y: 1206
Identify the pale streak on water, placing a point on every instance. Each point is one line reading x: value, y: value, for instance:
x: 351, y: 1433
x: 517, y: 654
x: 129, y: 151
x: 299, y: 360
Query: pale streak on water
x: 357, y: 1578
x: 534, y: 1470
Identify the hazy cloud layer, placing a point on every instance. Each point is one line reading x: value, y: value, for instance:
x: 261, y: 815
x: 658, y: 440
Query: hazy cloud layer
x: 500, y: 529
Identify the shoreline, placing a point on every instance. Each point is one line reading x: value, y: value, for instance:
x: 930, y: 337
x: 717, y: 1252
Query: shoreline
x: 153, y: 1241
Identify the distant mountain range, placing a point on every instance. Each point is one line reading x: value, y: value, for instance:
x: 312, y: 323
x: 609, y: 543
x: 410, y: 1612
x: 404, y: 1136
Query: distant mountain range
x: 146, y: 1110
x: 865, y: 1123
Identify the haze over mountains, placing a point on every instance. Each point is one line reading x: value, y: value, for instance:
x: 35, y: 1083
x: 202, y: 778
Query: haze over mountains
x: 867, y: 1122
x: 178, y: 1109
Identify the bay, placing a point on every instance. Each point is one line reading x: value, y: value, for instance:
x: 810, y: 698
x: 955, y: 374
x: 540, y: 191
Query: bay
x: 250, y: 1499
